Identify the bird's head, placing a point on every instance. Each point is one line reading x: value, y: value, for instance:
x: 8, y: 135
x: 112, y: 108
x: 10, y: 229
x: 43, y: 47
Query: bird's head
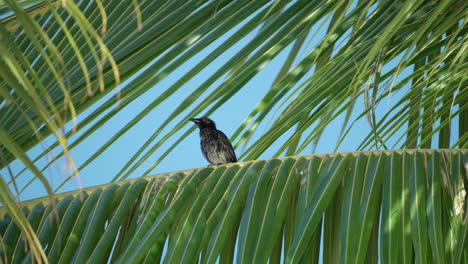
x: 203, y: 122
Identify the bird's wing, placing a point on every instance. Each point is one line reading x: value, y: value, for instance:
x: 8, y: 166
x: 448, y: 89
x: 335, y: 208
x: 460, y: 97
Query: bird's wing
x: 231, y: 155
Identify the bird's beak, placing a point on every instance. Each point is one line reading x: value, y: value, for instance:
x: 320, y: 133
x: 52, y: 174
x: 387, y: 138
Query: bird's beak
x: 195, y: 120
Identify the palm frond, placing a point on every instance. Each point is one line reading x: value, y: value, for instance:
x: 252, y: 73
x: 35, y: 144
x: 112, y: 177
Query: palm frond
x: 391, y: 205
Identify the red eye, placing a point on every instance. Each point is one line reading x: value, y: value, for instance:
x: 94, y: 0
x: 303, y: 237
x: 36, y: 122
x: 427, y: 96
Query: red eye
x: 203, y: 120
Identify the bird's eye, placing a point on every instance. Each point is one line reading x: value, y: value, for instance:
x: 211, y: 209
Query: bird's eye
x: 203, y: 120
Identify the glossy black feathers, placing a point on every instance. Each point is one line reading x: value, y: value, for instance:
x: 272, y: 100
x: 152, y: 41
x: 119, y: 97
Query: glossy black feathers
x: 215, y: 146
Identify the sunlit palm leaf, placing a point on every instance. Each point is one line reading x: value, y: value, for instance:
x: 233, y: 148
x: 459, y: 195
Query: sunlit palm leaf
x: 190, y: 215
x: 187, y: 32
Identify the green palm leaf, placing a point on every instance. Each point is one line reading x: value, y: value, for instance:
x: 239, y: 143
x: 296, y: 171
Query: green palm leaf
x: 193, y: 211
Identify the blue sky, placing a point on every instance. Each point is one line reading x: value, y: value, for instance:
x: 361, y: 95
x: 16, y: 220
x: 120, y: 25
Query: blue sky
x: 187, y: 154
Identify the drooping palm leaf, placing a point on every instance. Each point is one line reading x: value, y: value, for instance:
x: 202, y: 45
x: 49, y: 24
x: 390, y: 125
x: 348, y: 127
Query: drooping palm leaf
x: 174, y: 31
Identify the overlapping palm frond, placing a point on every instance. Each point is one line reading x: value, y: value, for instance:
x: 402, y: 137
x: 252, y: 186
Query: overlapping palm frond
x: 364, y: 37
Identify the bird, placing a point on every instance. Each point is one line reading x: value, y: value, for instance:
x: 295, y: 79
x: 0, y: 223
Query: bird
x: 215, y: 146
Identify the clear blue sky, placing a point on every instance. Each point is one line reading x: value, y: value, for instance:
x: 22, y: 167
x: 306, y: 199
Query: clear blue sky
x: 187, y: 155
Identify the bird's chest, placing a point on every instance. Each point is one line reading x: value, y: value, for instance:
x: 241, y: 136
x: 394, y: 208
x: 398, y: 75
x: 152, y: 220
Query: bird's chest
x: 208, y: 136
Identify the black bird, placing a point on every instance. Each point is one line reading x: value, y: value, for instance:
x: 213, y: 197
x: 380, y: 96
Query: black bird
x: 215, y: 146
